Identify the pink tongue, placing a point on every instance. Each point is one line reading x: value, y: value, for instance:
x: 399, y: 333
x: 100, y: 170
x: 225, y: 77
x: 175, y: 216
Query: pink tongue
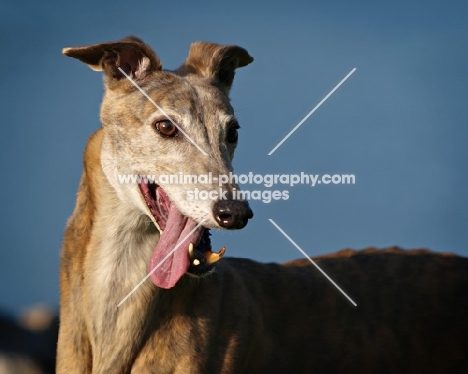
x: 172, y: 266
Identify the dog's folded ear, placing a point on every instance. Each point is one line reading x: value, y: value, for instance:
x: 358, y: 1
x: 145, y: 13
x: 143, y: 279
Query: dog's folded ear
x: 210, y: 60
x: 131, y: 54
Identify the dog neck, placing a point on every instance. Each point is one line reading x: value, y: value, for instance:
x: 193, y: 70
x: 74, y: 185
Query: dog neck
x: 120, y: 244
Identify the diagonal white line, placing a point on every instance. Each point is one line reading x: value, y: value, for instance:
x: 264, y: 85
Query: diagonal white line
x: 162, y: 111
x: 312, y: 261
x: 312, y: 111
x: 160, y: 263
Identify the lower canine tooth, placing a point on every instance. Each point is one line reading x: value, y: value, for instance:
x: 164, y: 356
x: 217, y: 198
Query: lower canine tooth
x: 196, y: 262
x: 191, y: 252
x: 212, y: 257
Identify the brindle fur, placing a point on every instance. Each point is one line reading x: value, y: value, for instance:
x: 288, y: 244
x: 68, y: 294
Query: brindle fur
x: 244, y: 317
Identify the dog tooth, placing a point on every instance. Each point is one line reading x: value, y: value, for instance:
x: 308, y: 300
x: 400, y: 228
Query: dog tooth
x: 212, y: 257
x: 222, y: 251
x: 191, y: 251
x: 196, y: 262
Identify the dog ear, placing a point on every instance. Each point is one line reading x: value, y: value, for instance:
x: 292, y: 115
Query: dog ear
x: 131, y: 54
x: 211, y: 60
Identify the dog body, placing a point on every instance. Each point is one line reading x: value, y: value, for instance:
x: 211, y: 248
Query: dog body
x: 198, y: 315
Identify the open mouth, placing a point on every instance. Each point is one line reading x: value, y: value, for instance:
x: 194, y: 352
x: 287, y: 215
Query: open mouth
x: 193, y: 253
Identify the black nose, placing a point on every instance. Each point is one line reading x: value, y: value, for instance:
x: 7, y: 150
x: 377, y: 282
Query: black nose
x: 232, y: 214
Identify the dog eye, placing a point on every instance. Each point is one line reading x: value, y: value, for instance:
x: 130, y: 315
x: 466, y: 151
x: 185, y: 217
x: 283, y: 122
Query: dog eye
x: 166, y: 128
x: 231, y: 136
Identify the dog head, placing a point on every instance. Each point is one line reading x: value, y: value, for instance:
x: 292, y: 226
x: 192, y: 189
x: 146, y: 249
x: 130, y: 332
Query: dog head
x: 168, y: 141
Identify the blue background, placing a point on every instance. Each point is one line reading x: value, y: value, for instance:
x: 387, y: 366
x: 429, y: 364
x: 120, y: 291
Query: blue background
x: 399, y: 123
